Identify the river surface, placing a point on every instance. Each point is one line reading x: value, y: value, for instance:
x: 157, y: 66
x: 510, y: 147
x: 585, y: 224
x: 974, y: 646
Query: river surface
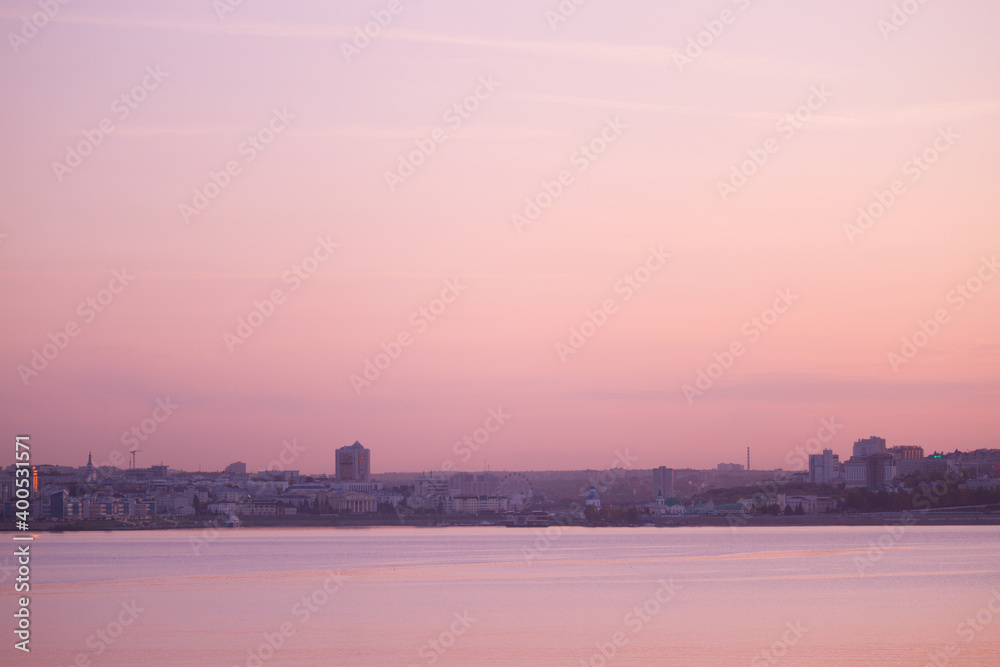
x: 910, y: 595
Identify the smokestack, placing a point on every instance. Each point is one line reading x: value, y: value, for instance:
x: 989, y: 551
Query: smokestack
x: 748, y: 458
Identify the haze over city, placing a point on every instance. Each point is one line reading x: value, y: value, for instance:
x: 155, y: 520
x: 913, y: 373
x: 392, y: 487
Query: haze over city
x: 533, y: 332
x: 492, y: 185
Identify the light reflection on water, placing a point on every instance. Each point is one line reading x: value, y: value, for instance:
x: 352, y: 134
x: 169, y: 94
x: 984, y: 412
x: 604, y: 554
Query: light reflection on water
x: 735, y: 594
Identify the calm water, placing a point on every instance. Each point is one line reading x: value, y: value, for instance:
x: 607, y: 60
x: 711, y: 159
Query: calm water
x: 500, y: 596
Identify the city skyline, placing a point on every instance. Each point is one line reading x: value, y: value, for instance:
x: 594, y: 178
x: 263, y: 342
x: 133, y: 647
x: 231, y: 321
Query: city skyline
x: 691, y: 233
x: 529, y: 332
x: 899, y: 478
x: 798, y: 459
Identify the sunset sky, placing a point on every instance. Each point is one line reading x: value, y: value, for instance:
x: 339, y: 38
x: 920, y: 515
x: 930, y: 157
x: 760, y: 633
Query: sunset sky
x: 287, y: 124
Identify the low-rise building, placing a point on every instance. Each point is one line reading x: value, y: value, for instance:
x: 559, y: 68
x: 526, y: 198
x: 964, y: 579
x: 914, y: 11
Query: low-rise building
x: 223, y: 507
x: 257, y: 508
x: 467, y: 504
x: 353, y: 502
x: 810, y: 504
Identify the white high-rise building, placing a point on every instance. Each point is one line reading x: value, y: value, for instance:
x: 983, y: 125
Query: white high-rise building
x: 824, y: 468
x: 871, y: 466
x: 354, y: 463
x: 869, y: 446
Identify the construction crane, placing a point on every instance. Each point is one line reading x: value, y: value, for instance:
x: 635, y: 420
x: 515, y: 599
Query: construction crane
x: 132, y: 452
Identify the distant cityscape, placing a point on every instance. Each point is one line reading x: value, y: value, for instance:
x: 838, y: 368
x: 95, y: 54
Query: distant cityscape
x: 875, y: 477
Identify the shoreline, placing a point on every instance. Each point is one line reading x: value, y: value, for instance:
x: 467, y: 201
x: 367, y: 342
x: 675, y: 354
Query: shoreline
x: 485, y: 521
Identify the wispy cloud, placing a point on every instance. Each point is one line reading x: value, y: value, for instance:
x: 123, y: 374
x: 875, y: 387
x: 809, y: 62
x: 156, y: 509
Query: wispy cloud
x: 849, y: 118
x: 625, y: 53
x: 344, y: 131
x: 622, y: 105
x: 913, y: 115
x: 629, y: 53
x: 804, y: 388
x: 213, y: 26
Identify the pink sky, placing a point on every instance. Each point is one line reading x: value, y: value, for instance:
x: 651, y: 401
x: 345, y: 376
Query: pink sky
x: 675, y: 129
